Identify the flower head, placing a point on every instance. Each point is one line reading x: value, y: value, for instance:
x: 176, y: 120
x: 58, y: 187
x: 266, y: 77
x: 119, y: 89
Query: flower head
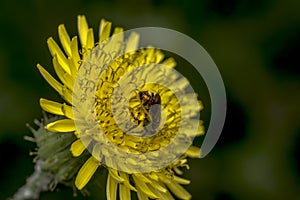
x: 127, y: 107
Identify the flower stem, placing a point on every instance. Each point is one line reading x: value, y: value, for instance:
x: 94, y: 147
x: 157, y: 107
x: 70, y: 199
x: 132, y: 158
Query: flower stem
x: 38, y: 182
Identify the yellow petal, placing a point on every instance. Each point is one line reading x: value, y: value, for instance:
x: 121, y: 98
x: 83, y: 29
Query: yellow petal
x: 124, y: 192
x: 90, y: 39
x: 164, y: 178
x: 200, y: 105
x: 68, y: 111
x: 54, y: 83
x: 162, y: 195
x: 62, y: 125
x: 158, y: 56
x: 104, y: 31
x: 73, y: 67
x: 126, y: 181
x: 157, y: 186
x: 115, y: 175
x: 181, y: 181
x: 193, y: 152
x: 141, y: 195
x: 153, y: 55
x: 181, y: 83
x: 118, y: 30
x: 69, y: 81
x: 51, y: 106
x: 143, y: 178
x: 141, y: 185
x: 82, y: 29
x: 167, y: 196
x: 118, y: 41
x: 56, y: 51
x: 177, y: 170
x: 153, y: 176
x: 67, y: 95
x: 77, y: 148
x: 74, y: 50
x: 65, y: 78
x: 178, y: 190
x: 201, y: 129
x: 170, y: 62
x: 89, y: 43
x: 56, y: 108
x: 64, y: 39
x: 111, y: 188
x: 76, y: 134
x: 86, y: 172
x: 132, y: 42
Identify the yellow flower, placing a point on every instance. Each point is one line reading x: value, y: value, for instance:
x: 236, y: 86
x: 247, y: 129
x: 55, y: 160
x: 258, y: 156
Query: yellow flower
x: 73, y: 62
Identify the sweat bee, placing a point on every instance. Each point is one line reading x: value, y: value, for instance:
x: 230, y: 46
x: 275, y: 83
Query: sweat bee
x: 148, y: 111
x: 148, y: 99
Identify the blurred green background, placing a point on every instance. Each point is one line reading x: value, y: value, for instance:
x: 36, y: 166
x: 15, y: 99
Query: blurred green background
x: 256, y: 46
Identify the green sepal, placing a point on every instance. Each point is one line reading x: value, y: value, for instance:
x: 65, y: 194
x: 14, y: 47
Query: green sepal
x: 68, y: 170
x: 55, y: 143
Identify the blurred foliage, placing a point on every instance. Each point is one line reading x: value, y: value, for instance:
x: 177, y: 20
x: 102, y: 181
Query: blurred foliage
x: 256, y: 46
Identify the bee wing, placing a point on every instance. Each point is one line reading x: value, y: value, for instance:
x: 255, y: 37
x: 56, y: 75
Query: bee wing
x: 155, y: 113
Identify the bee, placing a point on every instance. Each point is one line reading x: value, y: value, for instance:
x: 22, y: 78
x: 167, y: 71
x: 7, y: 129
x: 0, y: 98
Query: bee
x: 148, y: 112
x: 153, y: 116
x: 148, y: 99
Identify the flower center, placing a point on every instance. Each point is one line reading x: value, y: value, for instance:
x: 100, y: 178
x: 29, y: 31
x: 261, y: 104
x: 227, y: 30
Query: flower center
x: 149, y: 121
